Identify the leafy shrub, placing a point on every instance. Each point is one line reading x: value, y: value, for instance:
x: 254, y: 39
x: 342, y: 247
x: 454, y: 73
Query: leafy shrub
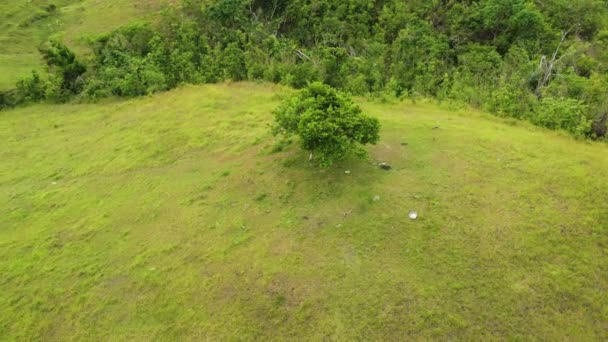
x: 329, y: 124
x: 9, y: 98
x: 32, y: 88
x: 303, y: 74
x: 509, y: 101
x: 357, y: 85
x: 418, y: 59
x: 563, y: 113
x: 333, y: 62
x: 234, y: 62
x: 62, y: 62
x: 479, y: 68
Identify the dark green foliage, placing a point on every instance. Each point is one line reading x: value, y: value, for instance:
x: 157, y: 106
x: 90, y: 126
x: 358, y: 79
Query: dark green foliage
x: 329, y: 124
x: 418, y: 59
x: 9, y: 98
x: 62, y: 62
x: 233, y: 60
x: 600, y: 125
x: 502, y: 56
x: 584, y: 17
x: 479, y: 68
x: 128, y: 63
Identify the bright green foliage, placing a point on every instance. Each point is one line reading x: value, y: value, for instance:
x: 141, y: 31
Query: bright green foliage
x: 32, y: 88
x: 512, y: 97
x: 329, y: 124
x: 129, y: 63
x: 564, y: 113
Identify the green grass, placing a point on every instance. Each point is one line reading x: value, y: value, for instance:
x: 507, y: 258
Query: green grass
x: 168, y: 217
x: 25, y: 25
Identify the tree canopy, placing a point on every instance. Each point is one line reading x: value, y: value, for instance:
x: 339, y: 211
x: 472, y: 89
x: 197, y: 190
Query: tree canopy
x: 514, y: 58
x: 328, y: 123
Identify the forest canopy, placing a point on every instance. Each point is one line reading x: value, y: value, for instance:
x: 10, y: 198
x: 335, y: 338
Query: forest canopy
x: 542, y: 61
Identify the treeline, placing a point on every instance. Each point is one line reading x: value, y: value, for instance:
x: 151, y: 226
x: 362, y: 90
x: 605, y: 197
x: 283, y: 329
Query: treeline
x: 543, y: 61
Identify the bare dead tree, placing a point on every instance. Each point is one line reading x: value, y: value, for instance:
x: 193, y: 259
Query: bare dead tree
x: 546, y: 67
x: 302, y: 55
x: 252, y: 12
x: 600, y: 126
x: 274, y: 8
x: 275, y: 4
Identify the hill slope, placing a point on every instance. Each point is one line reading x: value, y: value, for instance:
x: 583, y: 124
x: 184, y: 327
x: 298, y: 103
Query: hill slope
x: 24, y: 25
x: 168, y: 217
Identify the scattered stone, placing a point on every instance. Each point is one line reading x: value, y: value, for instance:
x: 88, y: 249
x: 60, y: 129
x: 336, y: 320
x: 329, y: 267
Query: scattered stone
x: 305, y: 218
x: 54, y: 183
x: 347, y: 172
x: 385, y: 167
x: 376, y: 198
x: 413, y: 215
x: 404, y: 144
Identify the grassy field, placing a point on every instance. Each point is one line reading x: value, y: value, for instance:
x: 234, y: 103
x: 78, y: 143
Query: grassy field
x: 24, y: 25
x: 169, y: 217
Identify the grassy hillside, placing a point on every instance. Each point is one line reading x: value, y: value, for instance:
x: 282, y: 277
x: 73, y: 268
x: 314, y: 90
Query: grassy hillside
x: 24, y: 25
x: 168, y: 217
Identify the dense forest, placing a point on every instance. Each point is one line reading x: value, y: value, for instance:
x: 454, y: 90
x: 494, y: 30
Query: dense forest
x: 545, y: 61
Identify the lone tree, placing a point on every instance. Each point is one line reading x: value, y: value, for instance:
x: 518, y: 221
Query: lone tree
x: 331, y: 127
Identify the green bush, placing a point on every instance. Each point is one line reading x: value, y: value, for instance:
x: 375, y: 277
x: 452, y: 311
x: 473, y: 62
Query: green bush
x: 330, y: 126
x: 509, y: 101
x: 233, y: 59
x: 32, y: 88
x: 68, y: 70
x: 563, y: 113
x: 476, y: 76
x: 9, y: 98
x: 418, y: 59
